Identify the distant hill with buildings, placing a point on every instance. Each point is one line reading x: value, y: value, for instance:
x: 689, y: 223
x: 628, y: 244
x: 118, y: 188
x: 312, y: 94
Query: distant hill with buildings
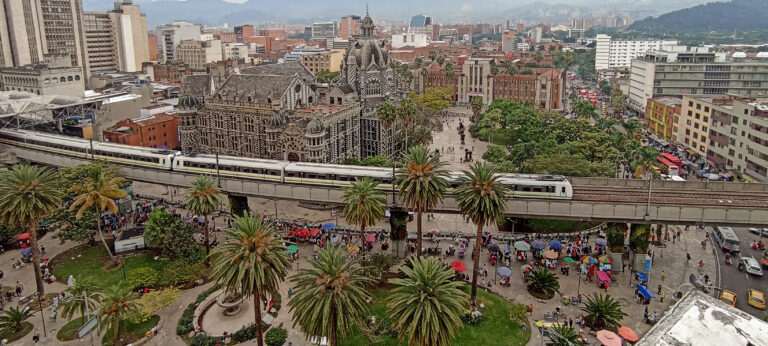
x: 734, y: 16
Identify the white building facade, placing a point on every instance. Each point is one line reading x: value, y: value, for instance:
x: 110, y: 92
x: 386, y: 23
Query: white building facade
x: 610, y: 53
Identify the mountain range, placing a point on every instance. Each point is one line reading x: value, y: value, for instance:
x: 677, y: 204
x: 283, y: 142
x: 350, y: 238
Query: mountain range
x: 737, y: 15
x: 236, y: 12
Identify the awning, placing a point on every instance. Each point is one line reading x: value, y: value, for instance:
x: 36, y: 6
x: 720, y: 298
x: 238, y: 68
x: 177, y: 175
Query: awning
x: 603, y: 276
x: 314, y: 232
x: 370, y: 237
x: 645, y: 292
x: 642, y: 277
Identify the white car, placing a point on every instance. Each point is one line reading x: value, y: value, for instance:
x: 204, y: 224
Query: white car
x: 758, y: 231
x: 752, y: 266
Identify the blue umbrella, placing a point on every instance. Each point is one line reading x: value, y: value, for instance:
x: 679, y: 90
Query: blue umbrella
x: 26, y: 252
x: 600, y: 241
x: 329, y: 226
x: 555, y: 244
x: 539, y: 245
x: 504, y: 272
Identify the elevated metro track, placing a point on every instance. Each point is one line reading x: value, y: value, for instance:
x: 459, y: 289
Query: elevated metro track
x: 599, y: 199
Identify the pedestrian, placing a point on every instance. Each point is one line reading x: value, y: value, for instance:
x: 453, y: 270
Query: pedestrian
x: 290, y: 293
x: 530, y: 309
x: 570, y: 323
x: 661, y: 296
x: 658, y: 291
x: 688, y: 257
x: 36, y: 337
x: 663, y: 275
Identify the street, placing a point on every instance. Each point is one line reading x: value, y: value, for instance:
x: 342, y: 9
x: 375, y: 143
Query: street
x: 740, y: 282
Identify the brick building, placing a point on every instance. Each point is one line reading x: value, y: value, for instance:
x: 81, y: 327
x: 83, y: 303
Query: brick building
x: 156, y: 131
x: 277, y: 34
x: 171, y: 72
x: 544, y: 88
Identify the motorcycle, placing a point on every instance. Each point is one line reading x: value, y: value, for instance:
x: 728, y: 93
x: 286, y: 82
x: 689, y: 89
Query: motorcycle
x: 728, y: 260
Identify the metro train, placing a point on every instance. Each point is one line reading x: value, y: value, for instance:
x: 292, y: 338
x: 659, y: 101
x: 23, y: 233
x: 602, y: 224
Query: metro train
x: 520, y: 185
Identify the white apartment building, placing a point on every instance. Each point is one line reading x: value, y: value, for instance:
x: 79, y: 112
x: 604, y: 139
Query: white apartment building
x: 610, y: 53
x: 234, y: 50
x: 170, y: 35
x: 116, y: 40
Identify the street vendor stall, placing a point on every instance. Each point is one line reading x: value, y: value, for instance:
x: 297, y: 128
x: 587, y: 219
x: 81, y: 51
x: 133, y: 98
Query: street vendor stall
x: 645, y: 293
x: 603, y: 280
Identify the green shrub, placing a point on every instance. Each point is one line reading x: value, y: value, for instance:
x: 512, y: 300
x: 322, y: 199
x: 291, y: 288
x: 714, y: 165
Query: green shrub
x: 275, y: 336
x: 141, y: 277
x: 204, y: 340
x: 474, y: 318
x: 278, y: 300
x: 149, y: 303
x: 246, y: 334
x: 179, y: 272
x: 185, y: 324
x: 518, y: 312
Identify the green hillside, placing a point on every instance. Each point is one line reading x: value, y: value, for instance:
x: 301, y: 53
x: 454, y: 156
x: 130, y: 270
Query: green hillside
x: 734, y: 16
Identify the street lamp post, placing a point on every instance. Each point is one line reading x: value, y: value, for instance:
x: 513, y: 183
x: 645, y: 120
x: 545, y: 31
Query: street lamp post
x: 42, y: 318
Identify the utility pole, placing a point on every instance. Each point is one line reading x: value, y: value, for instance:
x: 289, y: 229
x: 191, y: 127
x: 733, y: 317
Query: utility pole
x: 218, y: 176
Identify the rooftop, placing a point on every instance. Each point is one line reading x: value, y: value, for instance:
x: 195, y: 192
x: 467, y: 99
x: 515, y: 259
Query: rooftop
x: 669, y: 101
x: 699, y: 319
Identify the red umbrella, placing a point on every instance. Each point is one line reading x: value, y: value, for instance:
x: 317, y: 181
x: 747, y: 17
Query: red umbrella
x: 23, y: 236
x: 608, y: 338
x: 302, y: 233
x: 458, y: 266
x: 628, y: 334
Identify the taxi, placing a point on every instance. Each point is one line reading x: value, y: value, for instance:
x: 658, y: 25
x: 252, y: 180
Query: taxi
x: 728, y: 297
x: 756, y: 299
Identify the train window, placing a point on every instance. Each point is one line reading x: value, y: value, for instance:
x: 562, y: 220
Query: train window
x: 538, y: 189
x: 563, y: 189
x: 526, y: 189
x: 178, y: 162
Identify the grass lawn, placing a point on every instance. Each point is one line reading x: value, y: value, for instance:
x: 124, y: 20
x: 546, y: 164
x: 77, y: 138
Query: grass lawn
x: 91, y: 264
x: 69, y: 331
x: 11, y: 337
x: 497, y: 329
x: 131, y: 332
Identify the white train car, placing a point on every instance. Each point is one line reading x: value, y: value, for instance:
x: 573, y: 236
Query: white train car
x: 537, y: 186
x: 335, y: 175
x: 133, y: 155
x: 74, y: 147
x: 229, y: 166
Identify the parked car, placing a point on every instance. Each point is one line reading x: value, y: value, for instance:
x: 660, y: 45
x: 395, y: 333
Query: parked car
x: 728, y: 297
x: 757, y: 231
x: 756, y: 299
x: 752, y: 266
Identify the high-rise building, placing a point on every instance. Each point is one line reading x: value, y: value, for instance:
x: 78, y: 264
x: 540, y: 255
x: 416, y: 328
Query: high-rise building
x: 21, y: 36
x: 56, y: 76
x: 63, y: 29
x: 418, y: 34
x: 170, y: 35
x: 349, y: 26
x: 610, y: 53
x: 242, y: 33
x: 692, y: 127
x: 198, y: 53
x: 323, y: 30
x: 694, y: 72
x: 116, y: 40
x: 153, y: 47
x: 508, y: 41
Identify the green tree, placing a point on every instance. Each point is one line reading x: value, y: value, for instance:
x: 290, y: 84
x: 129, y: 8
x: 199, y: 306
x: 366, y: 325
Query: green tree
x: 174, y: 237
x: 27, y: 195
x: 450, y: 73
x: 585, y: 110
x: 605, y: 86
x: 364, y: 204
x: 203, y: 198
x: 538, y: 57
x: 618, y: 100
x: 509, y: 67
x: 432, y: 55
x: 276, y: 336
x: 563, y: 336
x: 81, y: 293
x: 421, y: 184
x: 602, y: 312
x: 434, y: 99
x: 633, y: 128
x: 643, y: 160
x: 481, y: 198
x: 99, y: 190
x: 426, y: 306
x: 476, y: 102
x: 12, y: 320
x: 376, y: 161
x: 406, y: 112
x: 330, y: 298
x: 387, y: 113
x: 491, y: 120
x: 69, y: 227
x: 440, y: 60
x: 252, y: 262
x: 496, y: 154
x: 542, y: 281
x: 116, y: 306
x: 494, y: 70
x: 325, y: 76
x: 418, y: 62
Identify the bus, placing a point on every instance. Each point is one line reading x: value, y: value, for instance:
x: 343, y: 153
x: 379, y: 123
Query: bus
x: 672, y: 159
x: 726, y: 239
x: 669, y: 167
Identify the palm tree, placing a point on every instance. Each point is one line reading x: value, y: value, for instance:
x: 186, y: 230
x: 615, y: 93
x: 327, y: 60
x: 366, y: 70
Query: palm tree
x: 508, y: 67
x: 632, y: 127
x: 405, y: 113
x: 477, y: 105
x: 538, y: 57
x: 421, y: 183
x: 482, y: 199
x: 643, y: 159
x: 365, y: 204
x: 544, y: 282
x: 117, y: 305
x: 203, y: 199
x: 13, y: 319
x: 563, y: 336
x: 602, y: 311
x: 252, y: 262
x: 330, y: 298
x: 83, y: 291
x: 27, y: 195
x: 426, y: 306
x: 418, y: 62
x: 386, y: 113
x: 99, y: 190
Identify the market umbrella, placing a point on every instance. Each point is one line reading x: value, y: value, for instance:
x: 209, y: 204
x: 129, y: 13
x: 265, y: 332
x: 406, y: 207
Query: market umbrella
x: 23, y: 236
x: 329, y: 226
x: 353, y: 249
x: 600, y: 241
x: 605, y: 260
x: 588, y: 260
x: 555, y: 244
x: 539, y: 245
x: 522, y: 246
x: 608, y: 338
x: 550, y: 254
x: 302, y: 233
x: 292, y: 249
x: 493, y: 247
x: 504, y: 272
x: 26, y: 252
x: 628, y: 334
x: 525, y: 267
x: 568, y: 260
x: 458, y: 266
